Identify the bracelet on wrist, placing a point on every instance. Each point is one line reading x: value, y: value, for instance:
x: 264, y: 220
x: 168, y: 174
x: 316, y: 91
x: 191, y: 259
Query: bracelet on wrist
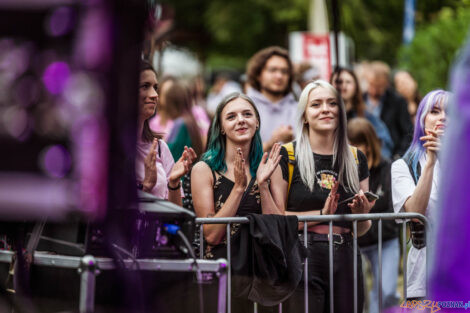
x: 174, y: 188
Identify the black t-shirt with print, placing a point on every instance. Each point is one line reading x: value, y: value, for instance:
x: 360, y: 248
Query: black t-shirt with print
x: 301, y: 199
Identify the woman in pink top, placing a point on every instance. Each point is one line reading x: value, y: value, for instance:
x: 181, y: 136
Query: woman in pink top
x: 156, y: 171
x: 164, y: 121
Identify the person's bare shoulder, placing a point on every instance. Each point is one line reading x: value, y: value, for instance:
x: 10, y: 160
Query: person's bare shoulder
x: 201, y: 171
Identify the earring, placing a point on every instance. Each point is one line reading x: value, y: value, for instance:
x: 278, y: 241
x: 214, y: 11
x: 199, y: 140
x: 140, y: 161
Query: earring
x: 257, y: 126
x: 222, y: 132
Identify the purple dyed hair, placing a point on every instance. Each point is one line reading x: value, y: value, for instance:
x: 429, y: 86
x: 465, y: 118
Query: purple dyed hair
x: 431, y: 100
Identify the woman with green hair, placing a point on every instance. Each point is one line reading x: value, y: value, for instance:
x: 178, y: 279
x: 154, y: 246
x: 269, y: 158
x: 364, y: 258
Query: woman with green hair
x: 234, y: 177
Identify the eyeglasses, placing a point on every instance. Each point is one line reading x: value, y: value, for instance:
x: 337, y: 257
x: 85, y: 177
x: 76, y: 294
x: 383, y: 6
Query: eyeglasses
x: 272, y: 70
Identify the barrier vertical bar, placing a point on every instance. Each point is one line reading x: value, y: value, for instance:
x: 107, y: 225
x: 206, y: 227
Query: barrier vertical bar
x: 428, y: 253
x: 379, y: 276
x: 255, y: 307
x: 404, y: 260
x: 355, y: 263
x: 87, y: 271
x: 229, y: 270
x: 330, y: 264
x: 306, y: 269
x: 201, y: 241
x: 222, y: 300
x: 280, y: 308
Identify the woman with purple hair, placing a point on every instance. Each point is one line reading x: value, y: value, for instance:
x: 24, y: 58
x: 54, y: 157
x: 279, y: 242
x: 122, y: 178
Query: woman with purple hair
x: 415, y: 183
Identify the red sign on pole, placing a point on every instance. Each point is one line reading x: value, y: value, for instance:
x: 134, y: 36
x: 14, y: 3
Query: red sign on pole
x: 316, y: 49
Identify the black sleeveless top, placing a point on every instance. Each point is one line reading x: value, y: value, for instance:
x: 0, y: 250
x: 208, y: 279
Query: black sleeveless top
x: 250, y: 203
x: 300, y: 198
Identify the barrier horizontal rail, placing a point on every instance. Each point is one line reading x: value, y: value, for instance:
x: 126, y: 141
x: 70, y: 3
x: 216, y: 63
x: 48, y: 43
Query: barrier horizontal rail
x: 90, y: 266
x: 322, y: 218
x: 403, y: 217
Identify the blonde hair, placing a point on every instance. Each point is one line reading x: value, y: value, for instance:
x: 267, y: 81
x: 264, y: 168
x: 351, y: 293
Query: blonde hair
x: 342, y: 155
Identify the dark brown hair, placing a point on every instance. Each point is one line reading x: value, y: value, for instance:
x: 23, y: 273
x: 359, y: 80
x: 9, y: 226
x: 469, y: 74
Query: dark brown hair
x: 147, y: 134
x: 361, y: 131
x: 257, y: 62
x: 358, y: 104
x: 178, y: 104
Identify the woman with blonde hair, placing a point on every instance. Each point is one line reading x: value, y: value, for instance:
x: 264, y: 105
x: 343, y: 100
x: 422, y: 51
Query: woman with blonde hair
x: 326, y: 171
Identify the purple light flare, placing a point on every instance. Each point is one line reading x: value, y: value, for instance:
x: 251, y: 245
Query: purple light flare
x: 16, y: 122
x: 56, y: 161
x: 60, y: 22
x: 449, y: 274
x: 55, y: 77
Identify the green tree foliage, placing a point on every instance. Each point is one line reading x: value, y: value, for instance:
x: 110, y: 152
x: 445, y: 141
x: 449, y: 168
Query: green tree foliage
x: 375, y: 27
x: 429, y: 57
x: 225, y: 33
x: 235, y: 30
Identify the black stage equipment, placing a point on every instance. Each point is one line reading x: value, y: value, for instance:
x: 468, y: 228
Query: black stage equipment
x: 147, y: 231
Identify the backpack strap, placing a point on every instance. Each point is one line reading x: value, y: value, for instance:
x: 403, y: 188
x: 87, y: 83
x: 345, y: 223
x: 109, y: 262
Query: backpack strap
x: 412, y: 172
x: 291, y: 154
x: 291, y: 162
x: 354, y: 152
x: 417, y: 231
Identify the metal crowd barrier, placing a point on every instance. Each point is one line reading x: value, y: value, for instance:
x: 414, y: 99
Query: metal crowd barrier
x: 88, y: 267
x: 405, y: 217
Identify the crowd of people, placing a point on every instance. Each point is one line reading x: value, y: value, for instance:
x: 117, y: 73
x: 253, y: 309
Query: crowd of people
x: 287, y: 143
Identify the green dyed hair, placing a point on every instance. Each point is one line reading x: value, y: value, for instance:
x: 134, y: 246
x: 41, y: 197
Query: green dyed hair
x: 215, y: 154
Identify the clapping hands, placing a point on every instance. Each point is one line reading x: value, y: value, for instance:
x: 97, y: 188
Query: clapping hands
x: 268, y: 164
x: 239, y: 173
x: 182, y: 166
x: 331, y: 203
x: 150, y: 168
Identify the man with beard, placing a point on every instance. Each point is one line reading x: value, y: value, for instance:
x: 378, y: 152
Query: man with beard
x: 269, y: 75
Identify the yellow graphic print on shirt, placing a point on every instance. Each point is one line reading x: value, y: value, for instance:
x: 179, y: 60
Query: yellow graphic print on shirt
x: 326, y: 180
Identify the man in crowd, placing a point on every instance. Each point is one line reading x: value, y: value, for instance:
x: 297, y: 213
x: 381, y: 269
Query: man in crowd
x: 385, y: 103
x: 269, y: 75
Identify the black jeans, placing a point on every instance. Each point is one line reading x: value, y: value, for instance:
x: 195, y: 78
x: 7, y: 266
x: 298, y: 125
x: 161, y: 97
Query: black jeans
x: 319, y: 283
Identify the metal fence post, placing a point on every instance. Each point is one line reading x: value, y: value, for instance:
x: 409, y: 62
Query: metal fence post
x: 87, y: 270
x: 201, y: 241
x: 404, y: 260
x: 379, y: 276
x: 330, y: 265
x: 222, y: 299
x: 229, y: 276
x: 306, y: 269
x: 428, y: 252
x: 355, y: 264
